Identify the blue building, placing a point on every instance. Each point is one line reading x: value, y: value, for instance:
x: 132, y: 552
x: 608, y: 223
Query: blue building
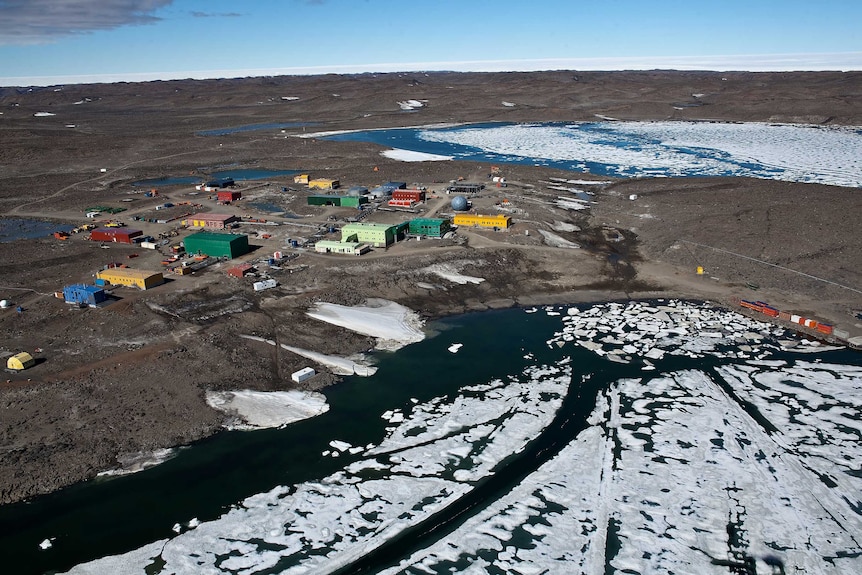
x: 84, y: 294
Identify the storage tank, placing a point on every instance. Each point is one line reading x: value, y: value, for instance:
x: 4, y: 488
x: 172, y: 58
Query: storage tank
x: 459, y: 204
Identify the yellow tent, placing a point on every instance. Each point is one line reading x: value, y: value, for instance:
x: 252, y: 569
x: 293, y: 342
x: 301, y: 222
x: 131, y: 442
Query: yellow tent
x: 20, y: 361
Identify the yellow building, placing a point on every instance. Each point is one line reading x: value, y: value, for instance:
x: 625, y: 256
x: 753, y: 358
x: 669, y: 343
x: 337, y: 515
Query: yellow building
x: 128, y: 277
x: 20, y: 361
x: 478, y: 220
x: 323, y: 184
x: 300, y: 179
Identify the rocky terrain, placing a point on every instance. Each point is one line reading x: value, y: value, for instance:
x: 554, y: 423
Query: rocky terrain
x: 131, y: 377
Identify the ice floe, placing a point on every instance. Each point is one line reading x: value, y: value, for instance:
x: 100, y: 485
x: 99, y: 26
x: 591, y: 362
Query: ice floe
x: 411, y: 156
x: 262, y: 409
x: 133, y: 463
x: 746, y: 459
x: 392, y: 324
x: 339, y: 365
x: 556, y: 241
x: 684, y: 479
x: 433, y: 457
x: 622, y: 331
x: 451, y: 273
x: 455, y: 347
x: 792, y: 152
x: 411, y: 104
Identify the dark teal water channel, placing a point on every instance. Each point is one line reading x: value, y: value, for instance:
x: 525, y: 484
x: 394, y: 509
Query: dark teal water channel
x: 112, y: 516
x: 240, y: 175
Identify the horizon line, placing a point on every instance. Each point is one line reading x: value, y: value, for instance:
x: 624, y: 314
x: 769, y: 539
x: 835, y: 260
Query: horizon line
x: 792, y: 62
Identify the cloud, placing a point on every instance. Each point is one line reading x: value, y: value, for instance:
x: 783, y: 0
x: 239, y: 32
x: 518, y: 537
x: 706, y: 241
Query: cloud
x: 216, y: 14
x: 42, y: 21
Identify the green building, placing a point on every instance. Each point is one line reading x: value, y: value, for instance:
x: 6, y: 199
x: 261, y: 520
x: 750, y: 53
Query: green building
x: 378, y: 235
x: 333, y: 200
x: 432, y: 227
x: 217, y: 245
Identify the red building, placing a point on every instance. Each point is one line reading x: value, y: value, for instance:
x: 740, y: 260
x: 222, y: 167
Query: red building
x: 408, y: 195
x: 118, y: 235
x: 240, y: 270
x: 227, y: 196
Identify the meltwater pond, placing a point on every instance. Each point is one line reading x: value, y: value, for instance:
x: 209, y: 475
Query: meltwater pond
x: 632, y: 437
x: 12, y: 229
x: 790, y: 152
x: 240, y: 175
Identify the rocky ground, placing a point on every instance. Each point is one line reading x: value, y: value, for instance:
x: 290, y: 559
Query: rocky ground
x: 131, y: 376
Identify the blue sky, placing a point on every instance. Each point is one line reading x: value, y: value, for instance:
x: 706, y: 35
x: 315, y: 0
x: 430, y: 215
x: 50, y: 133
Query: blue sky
x: 64, y: 41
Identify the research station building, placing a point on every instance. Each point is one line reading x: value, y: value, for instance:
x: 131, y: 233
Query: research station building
x: 117, y: 235
x: 84, y: 294
x: 430, y: 227
x: 217, y: 245
x: 479, y: 221
x: 378, y: 235
x: 141, y: 279
x: 211, y: 221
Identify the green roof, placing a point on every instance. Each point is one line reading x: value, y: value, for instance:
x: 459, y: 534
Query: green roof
x: 214, y: 236
x: 367, y: 226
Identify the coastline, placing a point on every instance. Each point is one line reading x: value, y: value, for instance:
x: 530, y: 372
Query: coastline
x: 133, y: 376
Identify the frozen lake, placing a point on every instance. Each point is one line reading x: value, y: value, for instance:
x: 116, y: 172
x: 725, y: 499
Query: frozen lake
x: 790, y: 152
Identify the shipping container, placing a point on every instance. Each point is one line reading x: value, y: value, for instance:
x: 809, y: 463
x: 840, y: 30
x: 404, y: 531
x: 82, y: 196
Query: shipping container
x: 264, y: 284
x: 302, y: 375
x: 784, y: 315
x: 795, y: 318
x: 824, y: 328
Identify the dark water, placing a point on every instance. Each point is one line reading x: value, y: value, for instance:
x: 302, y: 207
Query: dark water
x: 612, y: 134
x: 112, y: 516
x: 252, y: 174
x: 169, y: 181
x: 251, y: 128
x: 238, y: 175
x: 12, y: 229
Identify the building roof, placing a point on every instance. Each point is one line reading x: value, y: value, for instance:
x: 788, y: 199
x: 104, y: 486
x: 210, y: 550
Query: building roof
x: 215, y: 236
x: 207, y: 217
x: 366, y: 226
x: 129, y: 273
x: 336, y: 244
x: 435, y: 221
x: 84, y: 288
x: 117, y: 231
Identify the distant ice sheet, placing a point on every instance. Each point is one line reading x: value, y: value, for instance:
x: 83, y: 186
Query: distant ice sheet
x: 800, y: 153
